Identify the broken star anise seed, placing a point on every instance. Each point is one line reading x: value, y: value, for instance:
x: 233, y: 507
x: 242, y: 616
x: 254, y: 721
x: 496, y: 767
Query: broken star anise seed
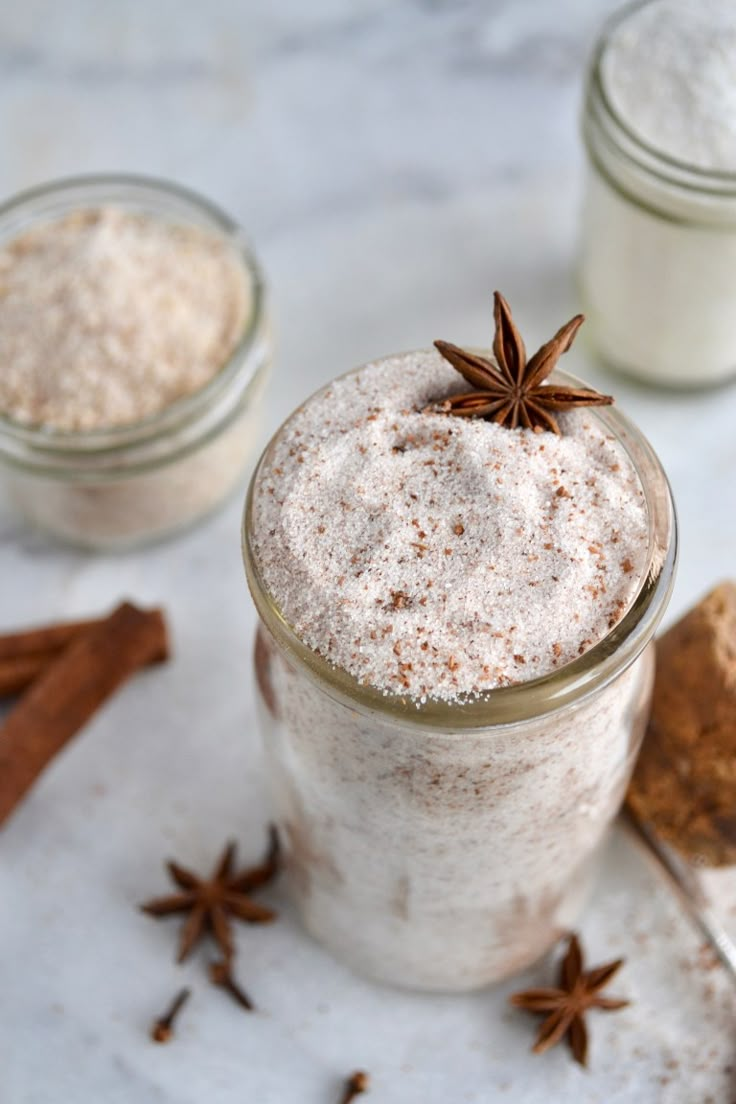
x: 513, y: 391
x: 565, y: 1007
x: 211, y: 901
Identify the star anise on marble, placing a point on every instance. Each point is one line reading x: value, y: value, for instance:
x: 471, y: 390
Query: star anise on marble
x: 211, y: 901
x: 513, y: 391
x: 579, y: 990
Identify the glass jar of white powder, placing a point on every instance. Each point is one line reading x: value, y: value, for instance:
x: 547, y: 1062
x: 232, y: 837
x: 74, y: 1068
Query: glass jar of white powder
x: 657, y: 265
x: 438, y: 842
x: 134, y: 347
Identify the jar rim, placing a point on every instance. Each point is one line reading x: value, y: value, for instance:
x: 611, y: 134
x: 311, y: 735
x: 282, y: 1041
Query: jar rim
x: 134, y: 188
x: 671, y: 170
x: 526, y: 700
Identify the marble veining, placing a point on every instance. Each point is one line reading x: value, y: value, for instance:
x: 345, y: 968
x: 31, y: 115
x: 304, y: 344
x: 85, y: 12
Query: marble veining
x: 393, y: 163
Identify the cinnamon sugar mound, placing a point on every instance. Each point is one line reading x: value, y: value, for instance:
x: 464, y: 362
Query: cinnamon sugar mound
x: 108, y: 316
x: 685, y: 779
x: 440, y: 557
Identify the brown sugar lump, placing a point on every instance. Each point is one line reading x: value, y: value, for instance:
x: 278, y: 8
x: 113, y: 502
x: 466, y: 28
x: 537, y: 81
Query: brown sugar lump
x: 684, y: 784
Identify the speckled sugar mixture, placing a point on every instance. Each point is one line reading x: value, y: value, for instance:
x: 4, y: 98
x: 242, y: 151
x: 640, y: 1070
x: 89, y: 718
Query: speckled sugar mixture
x: 108, y: 316
x: 434, y: 556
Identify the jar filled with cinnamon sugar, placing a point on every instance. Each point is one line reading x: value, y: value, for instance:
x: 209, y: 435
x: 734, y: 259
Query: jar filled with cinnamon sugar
x: 134, y: 348
x: 454, y: 664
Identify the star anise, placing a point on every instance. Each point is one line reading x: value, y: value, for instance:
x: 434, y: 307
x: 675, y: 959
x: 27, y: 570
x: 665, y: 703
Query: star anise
x: 211, y: 901
x: 513, y: 391
x: 579, y: 990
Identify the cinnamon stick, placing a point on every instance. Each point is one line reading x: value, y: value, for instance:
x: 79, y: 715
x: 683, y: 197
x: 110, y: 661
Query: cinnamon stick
x: 69, y: 691
x: 43, y: 638
x: 25, y: 654
x: 16, y: 673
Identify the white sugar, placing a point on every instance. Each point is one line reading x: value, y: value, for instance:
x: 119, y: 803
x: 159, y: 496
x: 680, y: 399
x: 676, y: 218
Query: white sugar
x: 670, y: 73
x: 433, y: 556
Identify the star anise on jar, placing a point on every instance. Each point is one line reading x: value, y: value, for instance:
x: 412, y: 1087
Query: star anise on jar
x: 513, y: 391
x: 565, y: 1007
x: 210, y: 902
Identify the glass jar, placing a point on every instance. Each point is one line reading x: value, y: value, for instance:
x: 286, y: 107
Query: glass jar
x: 118, y: 487
x: 657, y: 265
x: 444, y: 846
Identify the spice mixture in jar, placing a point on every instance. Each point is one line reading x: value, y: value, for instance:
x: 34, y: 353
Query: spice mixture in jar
x: 133, y: 351
x: 452, y: 662
x: 108, y: 316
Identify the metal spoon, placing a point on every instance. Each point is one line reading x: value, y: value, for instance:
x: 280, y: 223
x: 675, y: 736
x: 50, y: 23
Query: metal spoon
x: 683, y: 879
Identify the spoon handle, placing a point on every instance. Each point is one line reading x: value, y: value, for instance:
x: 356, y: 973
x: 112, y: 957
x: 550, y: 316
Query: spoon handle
x: 683, y: 879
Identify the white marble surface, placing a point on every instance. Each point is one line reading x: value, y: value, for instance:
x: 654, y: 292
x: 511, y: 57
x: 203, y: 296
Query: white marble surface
x: 394, y: 162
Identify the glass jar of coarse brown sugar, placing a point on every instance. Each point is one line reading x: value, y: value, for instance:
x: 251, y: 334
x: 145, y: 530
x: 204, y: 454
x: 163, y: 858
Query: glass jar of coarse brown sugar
x: 135, y: 348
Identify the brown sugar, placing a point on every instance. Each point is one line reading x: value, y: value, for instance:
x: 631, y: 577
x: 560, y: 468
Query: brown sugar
x: 684, y: 784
